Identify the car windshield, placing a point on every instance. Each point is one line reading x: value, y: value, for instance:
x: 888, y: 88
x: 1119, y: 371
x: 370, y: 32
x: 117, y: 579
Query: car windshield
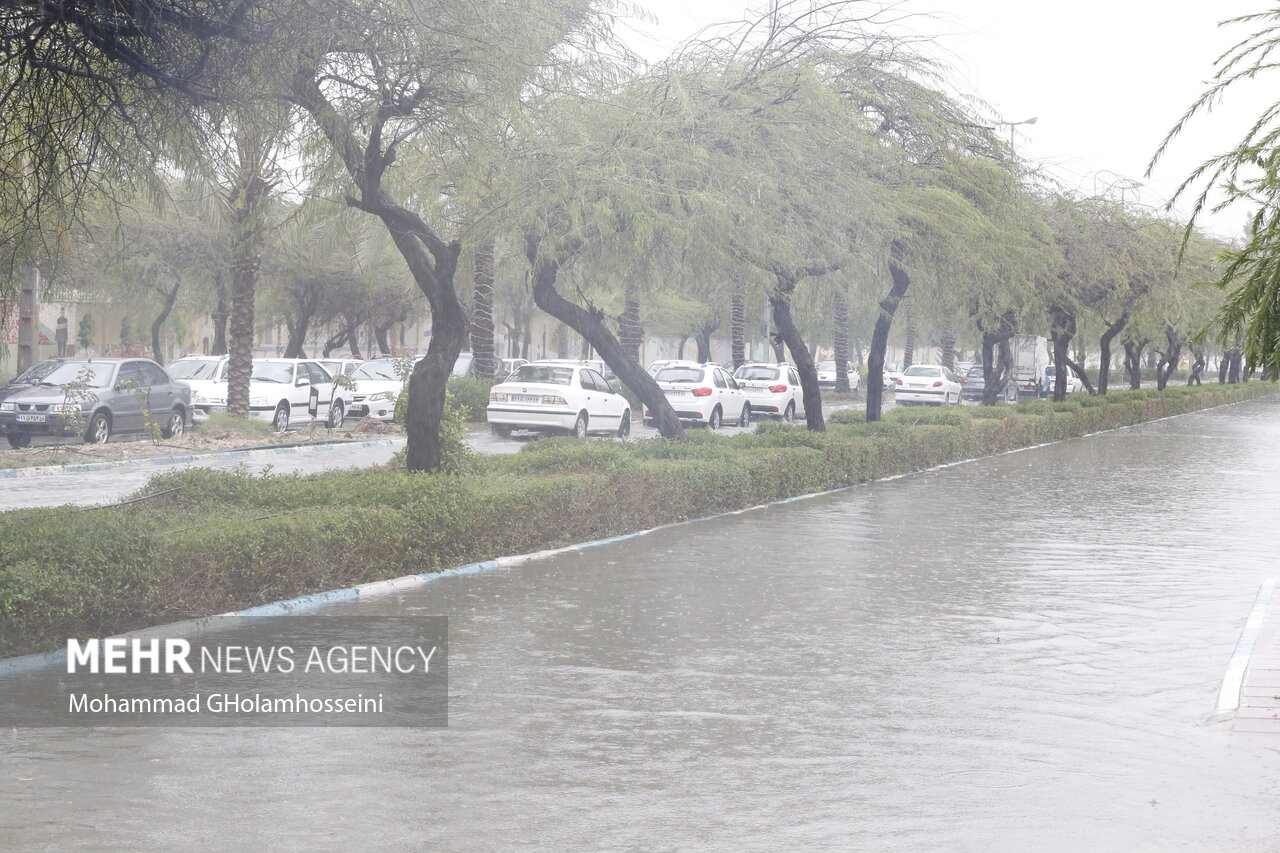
x: 920, y: 370
x: 198, y: 369
x: 94, y: 375
x: 757, y: 373
x: 380, y: 370
x: 679, y: 374
x: 543, y: 374
x: 272, y: 371
x: 36, y: 372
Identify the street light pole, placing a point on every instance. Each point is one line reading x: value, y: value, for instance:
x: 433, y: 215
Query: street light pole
x: 1012, y: 124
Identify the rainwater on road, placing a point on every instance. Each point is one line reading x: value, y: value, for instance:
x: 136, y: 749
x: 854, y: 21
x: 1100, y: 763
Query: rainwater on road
x: 1016, y: 653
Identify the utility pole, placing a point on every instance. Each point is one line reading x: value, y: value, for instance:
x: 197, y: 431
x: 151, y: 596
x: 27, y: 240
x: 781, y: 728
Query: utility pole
x: 29, y: 320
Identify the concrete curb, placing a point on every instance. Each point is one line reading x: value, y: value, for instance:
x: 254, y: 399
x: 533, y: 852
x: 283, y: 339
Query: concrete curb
x: 27, y: 663
x: 180, y: 458
x: 1233, y: 680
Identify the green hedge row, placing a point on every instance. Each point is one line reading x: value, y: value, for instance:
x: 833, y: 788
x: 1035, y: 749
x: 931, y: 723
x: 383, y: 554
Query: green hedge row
x: 224, y: 540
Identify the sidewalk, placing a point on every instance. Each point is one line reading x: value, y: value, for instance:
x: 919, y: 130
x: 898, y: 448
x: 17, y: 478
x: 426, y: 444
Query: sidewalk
x: 1259, y: 711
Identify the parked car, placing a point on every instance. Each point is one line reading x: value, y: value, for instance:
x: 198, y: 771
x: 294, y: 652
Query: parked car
x: 973, y: 385
x: 344, y: 366
x: 280, y: 392
x: 962, y: 368
x: 702, y: 393
x: 378, y: 384
x: 30, y: 377
x: 927, y: 383
x: 97, y: 397
x: 507, y: 366
x: 827, y: 375
x: 550, y: 396
x: 206, y: 375
x: 772, y: 389
x: 1050, y: 373
x: 658, y: 365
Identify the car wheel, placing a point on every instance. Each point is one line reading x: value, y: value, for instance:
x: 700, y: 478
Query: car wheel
x: 789, y: 416
x: 281, y: 419
x: 19, y: 439
x: 500, y: 430
x: 713, y: 422
x: 99, y: 431
x: 744, y: 420
x: 624, y: 426
x: 175, y: 426
x: 580, y: 426
x: 337, y: 414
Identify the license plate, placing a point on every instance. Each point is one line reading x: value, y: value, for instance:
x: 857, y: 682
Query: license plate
x: 525, y: 398
x: 675, y: 393
x: 30, y: 419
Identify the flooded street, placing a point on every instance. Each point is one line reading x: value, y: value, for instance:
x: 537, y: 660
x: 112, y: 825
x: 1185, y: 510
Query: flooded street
x: 1020, y: 652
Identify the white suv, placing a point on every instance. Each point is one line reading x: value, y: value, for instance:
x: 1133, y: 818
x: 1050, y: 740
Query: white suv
x: 703, y: 393
x: 772, y: 389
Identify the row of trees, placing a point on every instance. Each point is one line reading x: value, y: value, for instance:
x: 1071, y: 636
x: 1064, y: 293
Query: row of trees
x: 806, y: 156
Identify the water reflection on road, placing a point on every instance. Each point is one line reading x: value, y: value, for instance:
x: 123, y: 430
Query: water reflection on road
x: 1014, y: 653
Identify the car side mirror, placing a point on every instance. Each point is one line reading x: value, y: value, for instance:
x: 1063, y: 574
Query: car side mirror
x: 302, y: 380
x: 615, y: 386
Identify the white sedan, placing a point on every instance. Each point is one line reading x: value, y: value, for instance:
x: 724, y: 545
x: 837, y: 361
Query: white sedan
x: 772, y: 389
x: 557, y: 397
x: 827, y: 375
x: 378, y: 384
x: 704, y: 393
x: 1073, y: 382
x: 283, y: 390
x: 927, y: 383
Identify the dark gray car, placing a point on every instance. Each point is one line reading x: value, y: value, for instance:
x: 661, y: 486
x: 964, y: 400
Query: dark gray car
x: 98, y: 398
x: 30, y: 376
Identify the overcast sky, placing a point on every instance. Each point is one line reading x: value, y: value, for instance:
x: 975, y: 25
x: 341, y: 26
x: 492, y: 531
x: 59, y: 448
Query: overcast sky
x: 1105, y: 80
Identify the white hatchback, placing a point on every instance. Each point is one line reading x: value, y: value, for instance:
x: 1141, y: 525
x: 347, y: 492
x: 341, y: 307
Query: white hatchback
x: 772, y: 389
x: 551, y: 396
x: 827, y: 375
x: 927, y: 383
x: 207, y: 377
x: 703, y: 393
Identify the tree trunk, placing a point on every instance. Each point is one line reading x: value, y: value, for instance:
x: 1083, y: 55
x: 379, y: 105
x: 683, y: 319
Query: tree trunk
x: 702, y: 336
x: 780, y: 304
x: 1062, y: 329
x: 1197, y: 365
x: 590, y: 323
x: 880, y: 334
x: 840, y: 340
x: 333, y: 343
x: 738, y: 329
x: 219, y: 346
x: 997, y: 362
x: 1104, y: 364
x: 484, y: 361
x: 1234, y: 358
x: 776, y: 342
x: 380, y: 335
x: 1133, y: 362
x: 1169, y: 358
x: 170, y: 297
x: 949, y: 348
x: 909, y: 340
x: 353, y: 335
x: 248, y: 233
x: 630, y: 331
x: 1078, y: 369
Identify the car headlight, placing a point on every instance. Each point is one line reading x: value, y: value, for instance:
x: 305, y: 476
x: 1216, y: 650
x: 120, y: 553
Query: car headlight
x: 258, y: 401
x: 381, y: 395
x: 199, y: 399
x: 8, y: 407
x: 498, y: 397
